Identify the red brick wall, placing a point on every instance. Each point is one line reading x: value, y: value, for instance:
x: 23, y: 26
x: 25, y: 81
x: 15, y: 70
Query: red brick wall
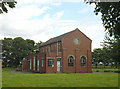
x: 25, y: 65
x: 53, y: 55
x: 70, y: 48
x: 39, y: 57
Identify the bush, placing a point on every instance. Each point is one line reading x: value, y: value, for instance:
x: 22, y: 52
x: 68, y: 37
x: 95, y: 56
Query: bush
x: 117, y: 71
x: 68, y: 72
x: 97, y: 70
x: 107, y: 71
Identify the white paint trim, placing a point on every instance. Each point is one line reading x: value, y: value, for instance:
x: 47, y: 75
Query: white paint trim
x: 83, y: 55
x: 71, y: 55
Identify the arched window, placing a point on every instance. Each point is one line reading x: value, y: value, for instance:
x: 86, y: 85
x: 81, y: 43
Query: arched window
x: 70, y: 61
x: 83, y: 60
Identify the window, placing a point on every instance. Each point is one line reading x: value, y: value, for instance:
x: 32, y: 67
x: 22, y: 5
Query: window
x: 30, y: 64
x: 77, y: 41
x: 51, y: 62
x: 34, y: 63
x: 70, y: 61
x: 42, y: 62
x: 38, y: 65
x: 83, y: 61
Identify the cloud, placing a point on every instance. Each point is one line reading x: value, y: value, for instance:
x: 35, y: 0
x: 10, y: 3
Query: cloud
x: 59, y: 14
x: 33, y: 20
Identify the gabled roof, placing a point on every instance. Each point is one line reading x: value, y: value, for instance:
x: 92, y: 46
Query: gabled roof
x: 58, y: 38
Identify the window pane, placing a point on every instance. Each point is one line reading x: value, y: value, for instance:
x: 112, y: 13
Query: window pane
x: 34, y: 64
x: 30, y: 64
x: 50, y: 62
x: 83, y: 61
x: 70, y: 61
x: 38, y: 65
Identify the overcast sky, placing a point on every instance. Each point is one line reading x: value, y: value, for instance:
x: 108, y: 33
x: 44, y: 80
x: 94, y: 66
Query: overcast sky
x: 41, y: 20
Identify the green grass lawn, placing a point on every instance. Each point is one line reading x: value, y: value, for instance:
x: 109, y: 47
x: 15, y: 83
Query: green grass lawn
x: 59, y: 80
x: 102, y: 70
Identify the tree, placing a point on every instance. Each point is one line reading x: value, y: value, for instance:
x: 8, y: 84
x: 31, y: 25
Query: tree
x: 31, y: 46
x: 111, y: 20
x: 14, y: 50
x: 37, y: 47
x: 101, y: 55
x: 110, y: 16
x: 96, y: 56
x: 113, y: 45
x: 3, y: 5
x: 7, y: 51
x: 20, y: 50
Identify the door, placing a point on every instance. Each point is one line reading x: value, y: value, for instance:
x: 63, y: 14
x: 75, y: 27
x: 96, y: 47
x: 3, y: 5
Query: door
x: 58, y: 64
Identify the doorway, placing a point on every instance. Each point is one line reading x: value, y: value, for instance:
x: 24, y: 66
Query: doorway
x: 58, y: 64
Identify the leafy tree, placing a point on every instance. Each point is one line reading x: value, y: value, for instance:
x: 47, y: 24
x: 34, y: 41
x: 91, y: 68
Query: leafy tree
x: 7, y: 51
x: 37, y: 47
x: 20, y: 50
x: 96, y: 56
x: 113, y: 45
x: 14, y: 50
x: 101, y: 55
x: 3, y: 5
x: 110, y: 16
x: 111, y: 20
x: 31, y: 45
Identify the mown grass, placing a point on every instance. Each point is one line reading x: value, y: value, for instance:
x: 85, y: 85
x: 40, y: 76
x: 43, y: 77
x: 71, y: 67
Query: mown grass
x: 59, y: 80
x: 104, y: 69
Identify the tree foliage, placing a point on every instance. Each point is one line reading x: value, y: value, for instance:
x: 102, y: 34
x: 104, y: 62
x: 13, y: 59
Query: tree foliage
x: 3, y: 6
x: 14, y: 50
x: 111, y: 20
x: 110, y: 16
x: 114, y: 46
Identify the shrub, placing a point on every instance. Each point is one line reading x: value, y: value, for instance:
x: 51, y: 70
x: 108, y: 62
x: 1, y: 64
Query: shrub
x: 97, y: 70
x: 68, y: 72
x: 107, y: 71
x: 117, y: 71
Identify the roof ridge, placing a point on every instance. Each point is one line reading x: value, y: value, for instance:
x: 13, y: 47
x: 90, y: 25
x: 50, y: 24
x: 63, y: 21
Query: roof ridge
x: 59, y: 38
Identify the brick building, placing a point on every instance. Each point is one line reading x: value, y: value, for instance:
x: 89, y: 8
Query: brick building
x: 70, y: 52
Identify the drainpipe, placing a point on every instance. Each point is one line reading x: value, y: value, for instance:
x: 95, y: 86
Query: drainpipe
x: 87, y: 59
x: 75, y: 60
x: 57, y: 49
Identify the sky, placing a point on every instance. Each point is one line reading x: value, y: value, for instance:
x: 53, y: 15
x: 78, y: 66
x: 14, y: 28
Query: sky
x: 40, y: 20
